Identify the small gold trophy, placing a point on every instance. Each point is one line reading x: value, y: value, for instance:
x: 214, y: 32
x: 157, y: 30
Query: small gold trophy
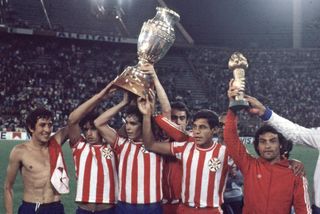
x: 237, y: 64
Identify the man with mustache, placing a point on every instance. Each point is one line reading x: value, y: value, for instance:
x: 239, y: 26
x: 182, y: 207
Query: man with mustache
x: 270, y: 186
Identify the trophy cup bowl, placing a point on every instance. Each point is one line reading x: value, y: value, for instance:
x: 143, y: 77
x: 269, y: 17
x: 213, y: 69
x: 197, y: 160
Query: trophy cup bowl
x: 155, y: 39
x: 238, y: 64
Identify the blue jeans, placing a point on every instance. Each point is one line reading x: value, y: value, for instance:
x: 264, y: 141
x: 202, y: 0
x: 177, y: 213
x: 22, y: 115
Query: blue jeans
x: 125, y: 208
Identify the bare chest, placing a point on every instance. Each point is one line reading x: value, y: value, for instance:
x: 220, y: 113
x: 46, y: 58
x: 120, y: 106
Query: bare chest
x: 36, y: 165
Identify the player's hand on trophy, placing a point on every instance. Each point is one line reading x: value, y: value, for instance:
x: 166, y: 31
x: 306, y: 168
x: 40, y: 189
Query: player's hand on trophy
x: 148, y: 68
x: 126, y: 98
x: 256, y: 107
x: 233, y: 90
x: 146, y: 104
x: 107, y: 91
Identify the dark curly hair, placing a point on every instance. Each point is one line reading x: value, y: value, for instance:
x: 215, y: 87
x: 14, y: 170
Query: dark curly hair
x: 286, y: 145
x: 89, y: 118
x: 34, y: 116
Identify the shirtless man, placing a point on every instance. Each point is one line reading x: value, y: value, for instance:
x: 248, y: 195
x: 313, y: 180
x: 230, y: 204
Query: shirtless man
x: 32, y: 159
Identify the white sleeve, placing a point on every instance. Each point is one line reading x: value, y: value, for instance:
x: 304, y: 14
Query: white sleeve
x: 294, y: 132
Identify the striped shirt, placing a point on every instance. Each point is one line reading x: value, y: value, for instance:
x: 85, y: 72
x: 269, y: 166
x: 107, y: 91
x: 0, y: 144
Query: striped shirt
x: 139, y: 173
x: 204, y: 173
x: 96, y: 173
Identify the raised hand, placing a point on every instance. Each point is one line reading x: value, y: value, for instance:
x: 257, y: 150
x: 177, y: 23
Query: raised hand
x: 233, y: 90
x: 256, y: 107
x: 148, y: 69
x: 146, y: 104
x: 108, y: 90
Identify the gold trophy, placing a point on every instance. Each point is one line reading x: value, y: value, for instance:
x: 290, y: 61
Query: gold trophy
x: 238, y: 64
x: 155, y: 39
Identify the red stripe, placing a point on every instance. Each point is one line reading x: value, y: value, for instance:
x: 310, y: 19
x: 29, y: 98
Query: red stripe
x: 188, y: 175
x: 124, y: 174
x: 86, y: 178
x: 225, y: 170
x: 199, y: 176
x: 111, y: 180
x: 212, y: 176
x: 158, y: 177
x: 76, y: 157
x: 147, y: 169
x: 134, y: 176
x: 100, y: 178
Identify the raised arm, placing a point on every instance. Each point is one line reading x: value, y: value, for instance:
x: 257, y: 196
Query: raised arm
x: 101, y: 123
x: 61, y: 135
x: 75, y: 117
x: 291, y: 131
x: 161, y: 93
x: 235, y: 148
x: 146, y: 106
x: 12, y: 170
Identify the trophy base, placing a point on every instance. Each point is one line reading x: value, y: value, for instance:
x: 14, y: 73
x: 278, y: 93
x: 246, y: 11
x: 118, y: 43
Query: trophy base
x: 134, y: 80
x: 237, y: 105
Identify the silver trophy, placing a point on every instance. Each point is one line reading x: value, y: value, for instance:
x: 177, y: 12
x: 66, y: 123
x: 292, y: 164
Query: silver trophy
x: 237, y: 64
x: 155, y: 39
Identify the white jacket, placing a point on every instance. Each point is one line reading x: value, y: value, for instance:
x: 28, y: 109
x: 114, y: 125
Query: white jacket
x: 300, y: 135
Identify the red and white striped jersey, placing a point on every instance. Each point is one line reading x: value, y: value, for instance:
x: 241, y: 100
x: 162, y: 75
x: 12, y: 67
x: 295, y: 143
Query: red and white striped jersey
x: 204, y: 173
x: 139, y: 173
x: 96, y: 173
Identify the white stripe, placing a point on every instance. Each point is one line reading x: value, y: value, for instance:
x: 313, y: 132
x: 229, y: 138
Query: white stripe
x: 106, y: 175
x: 205, y: 180
x: 121, y: 167
x: 82, y: 165
x: 153, y: 175
x: 184, y: 176
x: 306, y: 194
x: 141, y: 177
x: 93, y: 177
x: 216, y: 196
x: 193, y: 176
x: 129, y: 173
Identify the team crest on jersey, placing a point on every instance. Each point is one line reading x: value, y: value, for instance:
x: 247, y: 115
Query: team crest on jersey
x: 214, y: 164
x: 107, y: 153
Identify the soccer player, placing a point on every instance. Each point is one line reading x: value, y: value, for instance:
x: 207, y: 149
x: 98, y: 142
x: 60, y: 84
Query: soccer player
x: 140, y: 187
x: 37, y: 161
x: 172, y: 167
x: 95, y: 162
x: 270, y: 186
x: 297, y: 134
x: 205, y: 162
x: 233, y: 193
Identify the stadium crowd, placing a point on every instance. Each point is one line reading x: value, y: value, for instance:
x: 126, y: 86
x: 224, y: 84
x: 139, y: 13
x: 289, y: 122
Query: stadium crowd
x: 54, y: 72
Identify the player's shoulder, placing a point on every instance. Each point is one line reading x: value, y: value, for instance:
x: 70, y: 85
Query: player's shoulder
x: 20, y: 147
x: 18, y: 150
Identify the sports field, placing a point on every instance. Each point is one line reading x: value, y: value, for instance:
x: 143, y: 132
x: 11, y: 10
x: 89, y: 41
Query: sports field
x: 307, y: 155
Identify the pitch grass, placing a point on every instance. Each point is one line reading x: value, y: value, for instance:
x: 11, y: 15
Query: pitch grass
x: 307, y: 155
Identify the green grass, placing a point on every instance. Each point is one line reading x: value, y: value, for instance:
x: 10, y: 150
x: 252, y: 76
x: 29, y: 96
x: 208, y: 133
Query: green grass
x: 307, y: 155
